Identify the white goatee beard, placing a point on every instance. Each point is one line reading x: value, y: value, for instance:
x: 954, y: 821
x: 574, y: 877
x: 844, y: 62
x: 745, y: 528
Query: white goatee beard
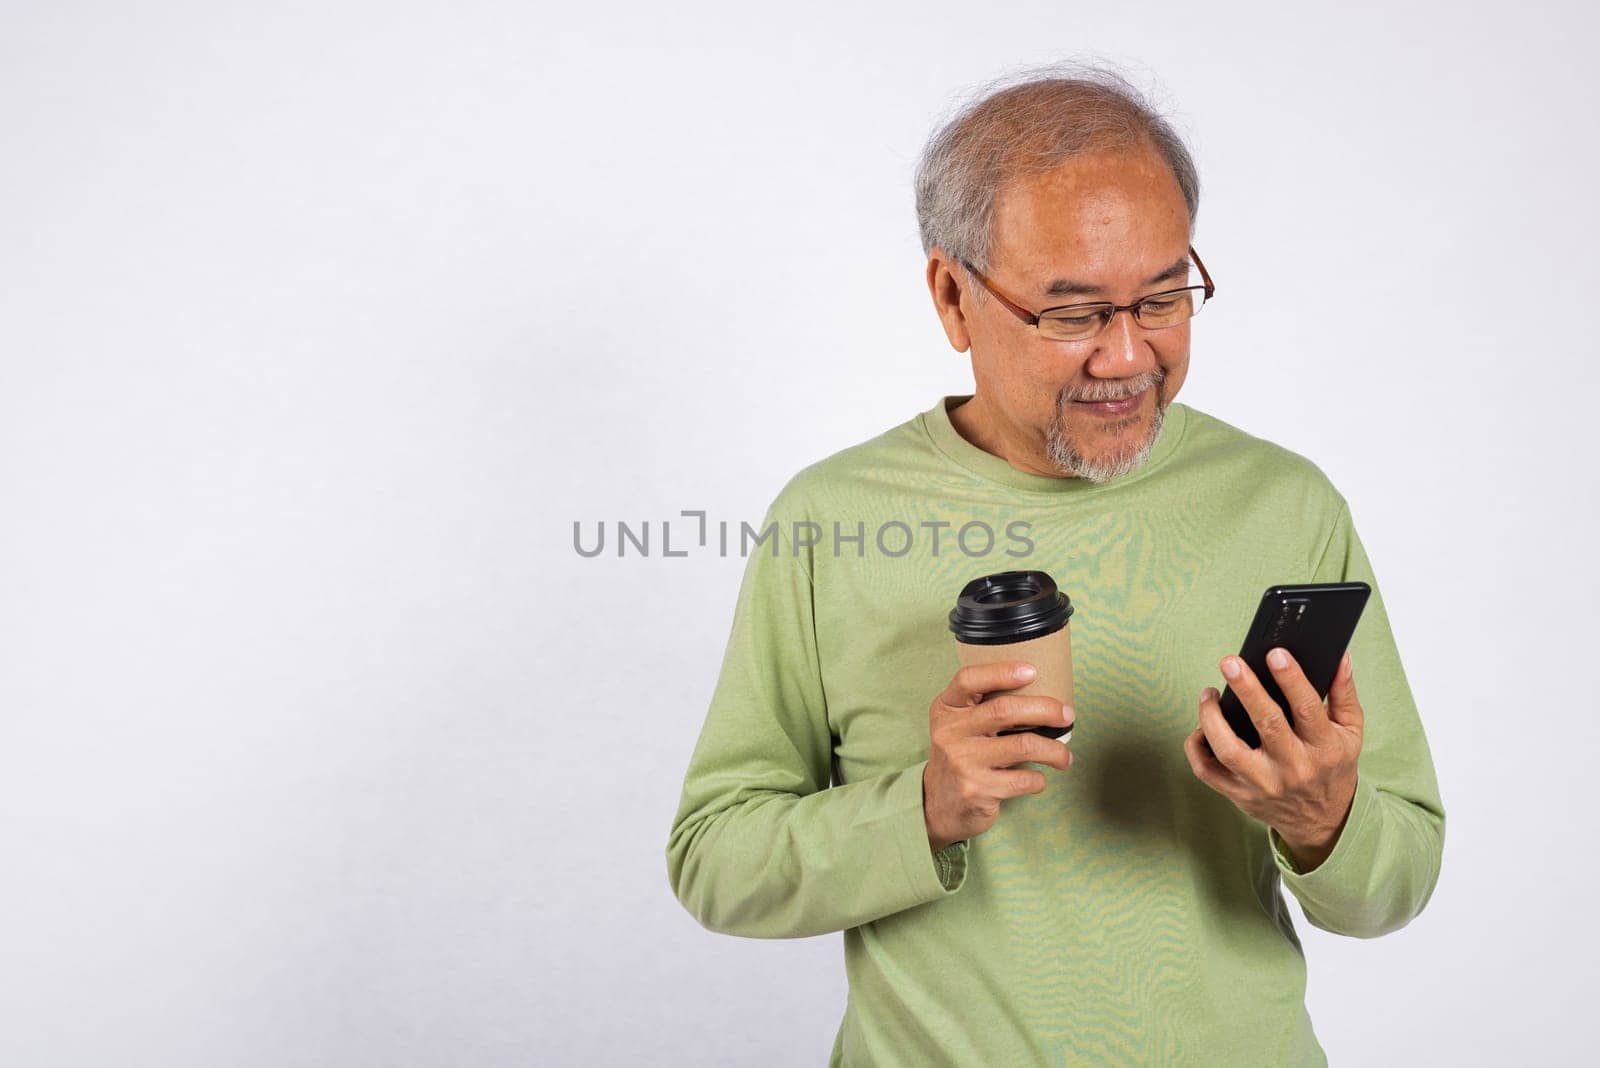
x: 1101, y: 469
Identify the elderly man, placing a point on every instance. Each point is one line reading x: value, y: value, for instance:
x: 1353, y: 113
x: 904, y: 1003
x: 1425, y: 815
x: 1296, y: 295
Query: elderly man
x: 1005, y: 899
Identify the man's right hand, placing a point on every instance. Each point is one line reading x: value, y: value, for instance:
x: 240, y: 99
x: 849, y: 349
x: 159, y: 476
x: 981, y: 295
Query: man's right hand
x: 970, y: 770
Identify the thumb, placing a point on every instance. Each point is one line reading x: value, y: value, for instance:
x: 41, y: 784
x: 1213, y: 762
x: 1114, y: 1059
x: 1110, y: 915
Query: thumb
x: 1343, y: 707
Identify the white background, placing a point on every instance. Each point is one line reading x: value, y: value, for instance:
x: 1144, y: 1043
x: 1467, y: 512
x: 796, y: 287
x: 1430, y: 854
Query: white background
x: 320, y: 326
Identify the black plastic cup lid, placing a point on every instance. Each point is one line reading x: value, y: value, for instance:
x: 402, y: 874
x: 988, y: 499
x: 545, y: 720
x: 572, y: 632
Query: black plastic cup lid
x: 1011, y: 606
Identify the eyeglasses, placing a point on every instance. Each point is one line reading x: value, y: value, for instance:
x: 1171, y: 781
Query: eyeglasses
x: 1080, y: 322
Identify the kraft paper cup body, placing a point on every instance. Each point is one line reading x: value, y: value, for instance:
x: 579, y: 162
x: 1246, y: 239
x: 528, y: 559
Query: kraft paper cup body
x: 1051, y: 656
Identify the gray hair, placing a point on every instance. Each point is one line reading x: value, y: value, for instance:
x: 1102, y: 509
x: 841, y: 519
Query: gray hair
x: 1026, y: 123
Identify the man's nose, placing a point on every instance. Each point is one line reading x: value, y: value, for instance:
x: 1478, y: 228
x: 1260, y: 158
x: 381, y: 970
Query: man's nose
x: 1121, y: 348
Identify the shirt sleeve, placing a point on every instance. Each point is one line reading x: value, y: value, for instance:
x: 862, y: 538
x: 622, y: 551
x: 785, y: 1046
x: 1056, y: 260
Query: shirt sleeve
x: 762, y: 846
x: 1384, y: 866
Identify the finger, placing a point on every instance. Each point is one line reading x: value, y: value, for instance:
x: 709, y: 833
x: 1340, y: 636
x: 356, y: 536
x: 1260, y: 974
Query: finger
x: 1209, y: 770
x: 1310, y: 715
x: 1026, y: 748
x: 1343, y: 706
x: 1014, y: 783
x: 1015, y: 710
x: 1228, y: 748
x: 970, y: 684
x: 1277, y: 738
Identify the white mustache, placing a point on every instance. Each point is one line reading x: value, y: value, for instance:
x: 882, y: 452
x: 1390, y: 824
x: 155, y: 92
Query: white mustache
x: 1115, y: 397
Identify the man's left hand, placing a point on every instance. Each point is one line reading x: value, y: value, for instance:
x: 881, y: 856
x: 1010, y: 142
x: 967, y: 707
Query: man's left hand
x: 1302, y: 780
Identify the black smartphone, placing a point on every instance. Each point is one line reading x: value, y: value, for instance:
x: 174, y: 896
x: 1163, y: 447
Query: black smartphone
x: 1315, y: 623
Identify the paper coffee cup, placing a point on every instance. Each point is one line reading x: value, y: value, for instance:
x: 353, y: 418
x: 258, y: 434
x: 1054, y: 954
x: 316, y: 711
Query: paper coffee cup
x: 1018, y: 615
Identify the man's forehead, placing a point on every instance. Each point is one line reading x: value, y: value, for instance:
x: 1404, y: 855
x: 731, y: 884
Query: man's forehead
x: 1100, y: 221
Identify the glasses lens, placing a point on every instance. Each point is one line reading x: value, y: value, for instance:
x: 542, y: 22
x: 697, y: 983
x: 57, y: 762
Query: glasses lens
x: 1076, y: 324
x: 1169, y: 309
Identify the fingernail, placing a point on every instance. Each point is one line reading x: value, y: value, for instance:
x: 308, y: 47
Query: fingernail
x: 1230, y: 668
x: 1067, y: 715
x: 1348, y: 670
x: 1026, y: 671
x: 1278, y: 658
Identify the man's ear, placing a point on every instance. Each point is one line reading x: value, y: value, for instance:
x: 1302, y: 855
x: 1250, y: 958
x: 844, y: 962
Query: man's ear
x: 945, y: 285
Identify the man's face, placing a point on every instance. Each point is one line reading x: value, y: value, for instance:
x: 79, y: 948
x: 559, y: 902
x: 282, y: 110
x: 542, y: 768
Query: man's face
x: 1111, y: 224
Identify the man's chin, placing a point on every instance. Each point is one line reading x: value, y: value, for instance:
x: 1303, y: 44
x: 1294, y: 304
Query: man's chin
x: 1122, y: 446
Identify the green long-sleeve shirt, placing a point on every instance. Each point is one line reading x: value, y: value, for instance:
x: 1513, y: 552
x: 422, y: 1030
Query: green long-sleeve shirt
x: 1126, y: 914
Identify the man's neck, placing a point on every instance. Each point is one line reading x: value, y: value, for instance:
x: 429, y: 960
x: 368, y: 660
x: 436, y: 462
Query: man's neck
x: 973, y: 422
